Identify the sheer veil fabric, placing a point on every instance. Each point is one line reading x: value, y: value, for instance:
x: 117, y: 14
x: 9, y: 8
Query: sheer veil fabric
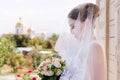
x: 83, y: 54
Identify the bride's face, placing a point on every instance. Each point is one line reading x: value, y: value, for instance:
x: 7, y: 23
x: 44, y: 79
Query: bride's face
x: 71, y: 24
x: 75, y: 27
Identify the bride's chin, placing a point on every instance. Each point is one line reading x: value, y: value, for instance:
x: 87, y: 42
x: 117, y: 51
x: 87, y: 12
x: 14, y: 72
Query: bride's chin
x: 75, y: 36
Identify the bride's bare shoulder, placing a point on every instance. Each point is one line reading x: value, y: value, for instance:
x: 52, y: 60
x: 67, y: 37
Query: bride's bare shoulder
x: 95, y: 49
x: 95, y: 45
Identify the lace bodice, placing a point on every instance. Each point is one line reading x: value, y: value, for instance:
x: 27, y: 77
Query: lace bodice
x: 83, y: 66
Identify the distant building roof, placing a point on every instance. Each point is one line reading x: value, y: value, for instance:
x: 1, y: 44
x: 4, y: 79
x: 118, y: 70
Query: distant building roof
x: 19, y: 23
x: 45, y: 52
x: 20, y: 49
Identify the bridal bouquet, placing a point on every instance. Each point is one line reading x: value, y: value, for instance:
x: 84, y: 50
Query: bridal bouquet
x: 51, y: 69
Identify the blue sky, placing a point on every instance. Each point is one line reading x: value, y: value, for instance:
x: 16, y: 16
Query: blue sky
x: 42, y: 15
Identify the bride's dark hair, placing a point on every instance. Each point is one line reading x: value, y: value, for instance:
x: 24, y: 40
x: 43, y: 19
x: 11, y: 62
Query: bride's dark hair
x: 85, y: 11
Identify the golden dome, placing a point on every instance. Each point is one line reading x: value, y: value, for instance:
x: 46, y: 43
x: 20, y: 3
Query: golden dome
x: 19, y: 24
x: 29, y: 29
x: 43, y: 33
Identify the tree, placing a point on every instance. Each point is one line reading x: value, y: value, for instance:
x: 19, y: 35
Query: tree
x: 21, y: 40
x: 48, y: 44
x: 53, y: 40
x: 15, y: 60
x: 36, y: 41
x: 6, y: 47
x: 9, y: 37
x: 36, y: 59
x: 54, y: 37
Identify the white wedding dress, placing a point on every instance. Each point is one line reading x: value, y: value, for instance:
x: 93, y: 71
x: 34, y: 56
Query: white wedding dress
x: 86, y: 65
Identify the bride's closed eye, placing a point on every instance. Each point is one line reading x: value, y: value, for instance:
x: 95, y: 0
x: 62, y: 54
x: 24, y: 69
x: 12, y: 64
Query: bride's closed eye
x: 72, y: 27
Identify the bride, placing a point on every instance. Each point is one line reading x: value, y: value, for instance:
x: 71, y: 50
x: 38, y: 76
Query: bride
x: 81, y: 50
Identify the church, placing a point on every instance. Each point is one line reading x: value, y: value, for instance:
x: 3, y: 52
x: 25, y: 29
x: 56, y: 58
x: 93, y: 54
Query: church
x: 21, y: 29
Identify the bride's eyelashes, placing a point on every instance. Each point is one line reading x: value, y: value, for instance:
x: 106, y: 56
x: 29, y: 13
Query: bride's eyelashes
x: 72, y: 27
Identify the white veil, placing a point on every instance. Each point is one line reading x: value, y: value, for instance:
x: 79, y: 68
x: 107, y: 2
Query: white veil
x: 75, y: 49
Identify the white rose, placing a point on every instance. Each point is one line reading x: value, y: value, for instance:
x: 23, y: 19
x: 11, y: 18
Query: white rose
x: 42, y: 63
x: 59, y: 72
x: 48, y: 60
x: 40, y: 66
x: 56, y: 62
x: 49, y: 73
x: 43, y: 72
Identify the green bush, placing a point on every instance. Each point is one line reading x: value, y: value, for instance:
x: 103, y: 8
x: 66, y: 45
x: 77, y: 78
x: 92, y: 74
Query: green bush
x: 15, y: 60
x: 6, y: 47
x: 21, y: 40
x: 36, y: 59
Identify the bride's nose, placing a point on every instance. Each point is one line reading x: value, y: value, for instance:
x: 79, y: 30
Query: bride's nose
x: 72, y: 31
